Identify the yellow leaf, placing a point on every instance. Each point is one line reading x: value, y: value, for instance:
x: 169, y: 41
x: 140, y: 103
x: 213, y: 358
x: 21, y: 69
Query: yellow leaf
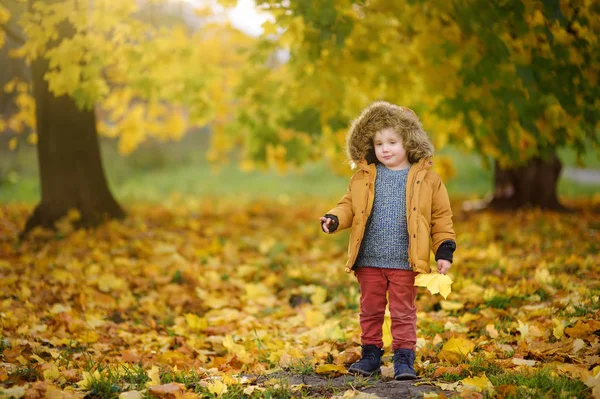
x: 387, y: 330
x: 559, y: 328
x: 593, y: 381
x: 449, y: 305
x: 217, y: 387
x: 109, y: 282
x: 60, y: 308
x: 52, y: 373
x: 314, y: 318
x: 194, y: 322
x: 523, y: 362
x: 491, y: 331
x: 131, y: 395
x: 251, y: 388
x: 435, y: 283
x: 87, y: 380
x: 523, y: 329
x: 319, y: 296
x: 479, y: 384
x: 330, y: 369
x: 456, y: 349
x: 15, y: 392
x: 154, y: 376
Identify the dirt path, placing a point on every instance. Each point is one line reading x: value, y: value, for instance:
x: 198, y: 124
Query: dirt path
x: 384, y: 388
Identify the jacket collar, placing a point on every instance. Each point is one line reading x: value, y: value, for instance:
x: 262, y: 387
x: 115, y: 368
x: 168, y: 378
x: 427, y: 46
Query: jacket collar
x: 425, y: 163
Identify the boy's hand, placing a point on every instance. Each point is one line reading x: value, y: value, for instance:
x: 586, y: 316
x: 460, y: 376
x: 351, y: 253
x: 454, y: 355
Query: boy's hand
x: 443, y: 266
x: 325, y: 223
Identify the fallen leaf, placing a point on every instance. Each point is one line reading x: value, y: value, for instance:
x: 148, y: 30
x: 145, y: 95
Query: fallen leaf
x: 490, y: 329
x: 36, y: 391
x: 130, y: 356
x: 52, y: 373
x: 87, y: 380
x: 456, y: 349
x: 450, y: 306
x: 131, y: 395
x: 559, y: 328
x: 168, y: 391
x: 330, y: 369
x: 479, y: 384
x: 440, y: 371
x: 15, y: 392
x: 154, y: 376
x: 523, y: 362
x: 217, y: 387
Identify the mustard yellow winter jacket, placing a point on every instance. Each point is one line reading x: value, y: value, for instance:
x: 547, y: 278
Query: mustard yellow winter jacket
x: 428, y: 211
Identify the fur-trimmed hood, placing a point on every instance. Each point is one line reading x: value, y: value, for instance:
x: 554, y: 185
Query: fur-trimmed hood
x: 381, y: 115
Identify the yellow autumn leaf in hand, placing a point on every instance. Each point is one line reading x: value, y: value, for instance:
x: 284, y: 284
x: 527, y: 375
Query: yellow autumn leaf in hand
x: 455, y: 349
x: 435, y: 283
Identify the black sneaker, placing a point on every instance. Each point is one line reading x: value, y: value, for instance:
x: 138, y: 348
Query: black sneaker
x: 404, y: 364
x: 370, y: 363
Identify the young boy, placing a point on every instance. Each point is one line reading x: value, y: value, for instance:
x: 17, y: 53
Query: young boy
x: 398, y: 210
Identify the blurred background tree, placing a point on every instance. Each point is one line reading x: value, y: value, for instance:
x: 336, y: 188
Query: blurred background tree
x: 145, y: 72
x: 513, y: 80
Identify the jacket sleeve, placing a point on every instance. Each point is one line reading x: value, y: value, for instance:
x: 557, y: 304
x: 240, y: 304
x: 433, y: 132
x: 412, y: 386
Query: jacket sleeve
x: 441, y: 218
x: 343, y: 210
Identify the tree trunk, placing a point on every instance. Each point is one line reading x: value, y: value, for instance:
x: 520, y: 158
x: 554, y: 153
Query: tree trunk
x: 533, y: 184
x: 71, y: 172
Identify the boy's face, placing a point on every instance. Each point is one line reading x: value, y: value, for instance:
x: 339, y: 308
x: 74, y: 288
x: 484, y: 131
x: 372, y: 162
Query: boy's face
x: 389, y: 149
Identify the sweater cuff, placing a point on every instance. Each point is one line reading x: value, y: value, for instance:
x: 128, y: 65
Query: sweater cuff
x: 446, y: 251
x: 336, y: 222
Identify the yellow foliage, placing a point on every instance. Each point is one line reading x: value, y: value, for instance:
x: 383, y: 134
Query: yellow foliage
x: 254, y: 287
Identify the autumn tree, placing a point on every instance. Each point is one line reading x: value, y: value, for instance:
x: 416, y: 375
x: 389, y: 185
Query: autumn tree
x: 512, y: 80
x: 144, y: 79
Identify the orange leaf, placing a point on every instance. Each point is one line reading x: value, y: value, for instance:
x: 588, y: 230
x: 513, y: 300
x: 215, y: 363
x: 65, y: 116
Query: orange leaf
x: 130, y: 356
x: 167, y: 391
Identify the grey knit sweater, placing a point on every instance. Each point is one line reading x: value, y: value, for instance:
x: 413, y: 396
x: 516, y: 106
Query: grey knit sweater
x: 385, y: 243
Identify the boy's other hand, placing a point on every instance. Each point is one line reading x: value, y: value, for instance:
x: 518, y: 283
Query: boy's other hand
x: 325, y: 223
x: 443, y: 266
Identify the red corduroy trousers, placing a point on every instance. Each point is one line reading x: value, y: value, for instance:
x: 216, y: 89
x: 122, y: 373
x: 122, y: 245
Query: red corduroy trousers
x: 399, y: 284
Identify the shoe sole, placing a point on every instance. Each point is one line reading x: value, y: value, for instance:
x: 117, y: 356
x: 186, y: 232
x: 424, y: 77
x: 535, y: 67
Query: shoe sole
x: 405, y: 377
x: 364, y: 373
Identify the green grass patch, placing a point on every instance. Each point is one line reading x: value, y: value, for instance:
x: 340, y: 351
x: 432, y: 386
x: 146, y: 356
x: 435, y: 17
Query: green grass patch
x: 540, y: 384
x: 499, y: 302
x: 302, y: 367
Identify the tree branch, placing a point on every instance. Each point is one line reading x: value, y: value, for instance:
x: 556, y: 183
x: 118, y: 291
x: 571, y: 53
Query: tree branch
x: 13, y: 34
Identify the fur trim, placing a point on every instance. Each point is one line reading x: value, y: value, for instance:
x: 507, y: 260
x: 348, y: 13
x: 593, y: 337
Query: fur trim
x: 381, y: 115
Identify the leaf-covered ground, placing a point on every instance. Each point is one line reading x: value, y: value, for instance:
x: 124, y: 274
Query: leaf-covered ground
x: 214, y: 298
